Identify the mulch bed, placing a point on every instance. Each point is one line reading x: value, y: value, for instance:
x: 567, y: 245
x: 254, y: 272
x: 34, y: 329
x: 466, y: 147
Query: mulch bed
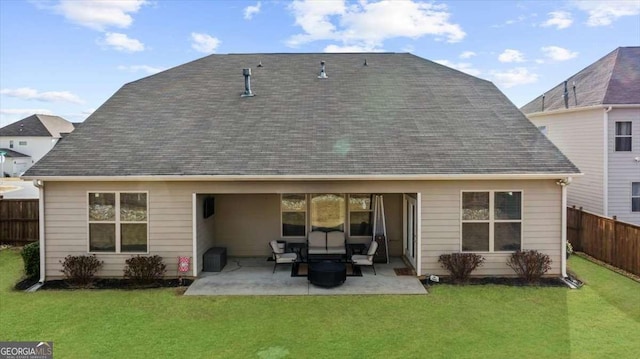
x: 511, y: 282
x: 105, y: 283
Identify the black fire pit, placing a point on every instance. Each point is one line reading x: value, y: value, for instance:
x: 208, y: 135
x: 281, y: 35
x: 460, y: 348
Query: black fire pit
x: 327, y: 274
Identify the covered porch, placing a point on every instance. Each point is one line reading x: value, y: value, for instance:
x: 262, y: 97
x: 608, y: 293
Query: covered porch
x: 253, y: 276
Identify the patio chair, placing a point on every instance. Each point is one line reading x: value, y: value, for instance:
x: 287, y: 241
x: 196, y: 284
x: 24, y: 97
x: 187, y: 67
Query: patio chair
x: 279, y: 256
x: 366, y: 259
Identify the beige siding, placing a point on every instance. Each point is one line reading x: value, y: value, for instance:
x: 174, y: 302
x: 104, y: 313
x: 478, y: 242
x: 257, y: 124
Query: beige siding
x: 441, y: 233
x: 623, y: 168
x: 247, y: 217
x: 580, y: 136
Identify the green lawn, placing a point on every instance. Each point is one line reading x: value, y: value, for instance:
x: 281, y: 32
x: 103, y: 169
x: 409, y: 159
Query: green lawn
x: 601, y: 320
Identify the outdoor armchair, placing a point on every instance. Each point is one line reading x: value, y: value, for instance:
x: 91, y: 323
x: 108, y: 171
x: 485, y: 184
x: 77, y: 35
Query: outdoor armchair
x: 279, y: 256
x: 366, y: 259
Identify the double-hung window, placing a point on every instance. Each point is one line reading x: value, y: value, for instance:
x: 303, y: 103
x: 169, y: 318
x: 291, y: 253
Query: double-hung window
x: 118, y: 222
x: 327, y: 212
x: 491, y: 221
x: 623, y: 136
x: 293, y: 208
x: 360, y: 215
x: 635, y: 197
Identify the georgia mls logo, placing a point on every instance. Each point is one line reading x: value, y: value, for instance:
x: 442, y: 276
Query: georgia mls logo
x: 26, y: 350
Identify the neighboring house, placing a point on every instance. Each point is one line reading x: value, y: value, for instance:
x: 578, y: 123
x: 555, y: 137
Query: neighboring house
x: 597, y: 125
x: 460, y: 168
x: 30, y: 139
x: 15, y: 163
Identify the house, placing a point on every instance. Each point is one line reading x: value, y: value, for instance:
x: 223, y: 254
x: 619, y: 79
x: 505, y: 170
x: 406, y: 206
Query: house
x: 594, y: 118
x: 278, y: 145
x: 29, y: 139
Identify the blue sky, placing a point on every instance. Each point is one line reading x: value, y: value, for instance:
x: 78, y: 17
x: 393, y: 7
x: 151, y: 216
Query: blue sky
x: 68, y: 57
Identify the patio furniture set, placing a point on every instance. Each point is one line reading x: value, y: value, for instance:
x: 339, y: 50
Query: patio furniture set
x: 326, y: 254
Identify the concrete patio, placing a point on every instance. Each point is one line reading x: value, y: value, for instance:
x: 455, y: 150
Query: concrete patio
x: 253, y: 276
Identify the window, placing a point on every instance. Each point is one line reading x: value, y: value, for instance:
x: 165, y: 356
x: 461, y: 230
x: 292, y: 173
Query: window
x: 294, y: 215
x: 491, y: 221
x: 22, y: 143
x: 543, y: 129
x: 635, y: 197
x: 360, y: 215
x: 118, y: 222
x: 10, y: 143
x: 623, y: 136
x: 327, y: 212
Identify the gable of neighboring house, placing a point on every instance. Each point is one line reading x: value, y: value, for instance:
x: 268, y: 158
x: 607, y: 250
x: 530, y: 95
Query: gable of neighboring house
x: 594, y: 118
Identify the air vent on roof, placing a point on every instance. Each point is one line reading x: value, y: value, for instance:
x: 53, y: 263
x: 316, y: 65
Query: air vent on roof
x: 543, y: 96
x: 247, y: 83
x: 365, y: 62
x: 566, y: 95
x: 575, y: 96
x: 323, y: 73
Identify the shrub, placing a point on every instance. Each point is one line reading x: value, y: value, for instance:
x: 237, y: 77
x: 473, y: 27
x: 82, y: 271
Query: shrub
x: 529, y: 265
x: 569, y: 249
x: 460, y: 265
x: 145, y: 270
x: 31, y: 258
x: 80, y: 270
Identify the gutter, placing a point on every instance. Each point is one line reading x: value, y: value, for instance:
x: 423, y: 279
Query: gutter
x: 605, y: 161
x: 408, y: 177
x: 578, y: 109
x: 40, y: 185
x: 563, y: 230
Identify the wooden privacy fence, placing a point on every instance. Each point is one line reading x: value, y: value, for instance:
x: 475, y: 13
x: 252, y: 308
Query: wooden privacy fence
x: 616, y: 243
x: 19, y: 221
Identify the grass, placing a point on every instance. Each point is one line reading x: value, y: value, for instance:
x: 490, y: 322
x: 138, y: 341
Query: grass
x: 600, y: 320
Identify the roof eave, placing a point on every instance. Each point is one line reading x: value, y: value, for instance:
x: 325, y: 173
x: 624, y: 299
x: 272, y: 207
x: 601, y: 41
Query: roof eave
x: 411, y: 177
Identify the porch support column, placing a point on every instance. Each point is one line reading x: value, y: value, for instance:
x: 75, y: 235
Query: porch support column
x: 194, y: 226
x: 419, y: 234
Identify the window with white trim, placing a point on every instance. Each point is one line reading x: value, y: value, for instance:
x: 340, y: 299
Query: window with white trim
x: 360, y: 215
x: 293, y: 208
x: 635, y: 197
x: 118, y: 222
x: 491, y: 221
x: 10, y: 143
x: 22, y: 143
x: 623, y: 136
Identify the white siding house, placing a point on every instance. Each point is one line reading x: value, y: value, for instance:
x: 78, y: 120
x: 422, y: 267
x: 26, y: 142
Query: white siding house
x: 32, y: 137
x: 594, y: 119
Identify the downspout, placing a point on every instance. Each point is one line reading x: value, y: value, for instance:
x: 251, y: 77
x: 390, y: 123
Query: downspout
x: 563, y: 249
x: 605, y: 161
x: 40, y: 185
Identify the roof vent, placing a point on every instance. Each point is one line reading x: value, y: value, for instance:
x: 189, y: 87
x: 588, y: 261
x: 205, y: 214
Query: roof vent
x: 543, y: 96
x: 575, y: 96
x: 365, y: 62
x: 260, y: 64
x: 247, y: 83
x: 323, y: 73
x: 566, y: 95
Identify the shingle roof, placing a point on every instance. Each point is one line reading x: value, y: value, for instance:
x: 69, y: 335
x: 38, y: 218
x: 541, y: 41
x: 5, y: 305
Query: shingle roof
x: 38, y: 125
x: 398, y: 115
x: 614, y: 79
x: 12, y: 153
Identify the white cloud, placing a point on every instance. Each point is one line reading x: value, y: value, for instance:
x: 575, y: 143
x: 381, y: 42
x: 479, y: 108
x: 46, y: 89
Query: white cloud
x: 98, y: 14
x: 352, y: 48
x: 122, y: 42
x: 27, y: 93
x: 467, y: 55
x: 24, y: 111
x: 251, y: 10
x: 88, y: 111
x: 461, y: 66
x: 510, y: 55
x: 556, y: 53
x: 204, y: 43
x: 559, y: 19
x: 603, y: 13
x: 514, y: 77
x: 368, y: 25
x: 144, y: 68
